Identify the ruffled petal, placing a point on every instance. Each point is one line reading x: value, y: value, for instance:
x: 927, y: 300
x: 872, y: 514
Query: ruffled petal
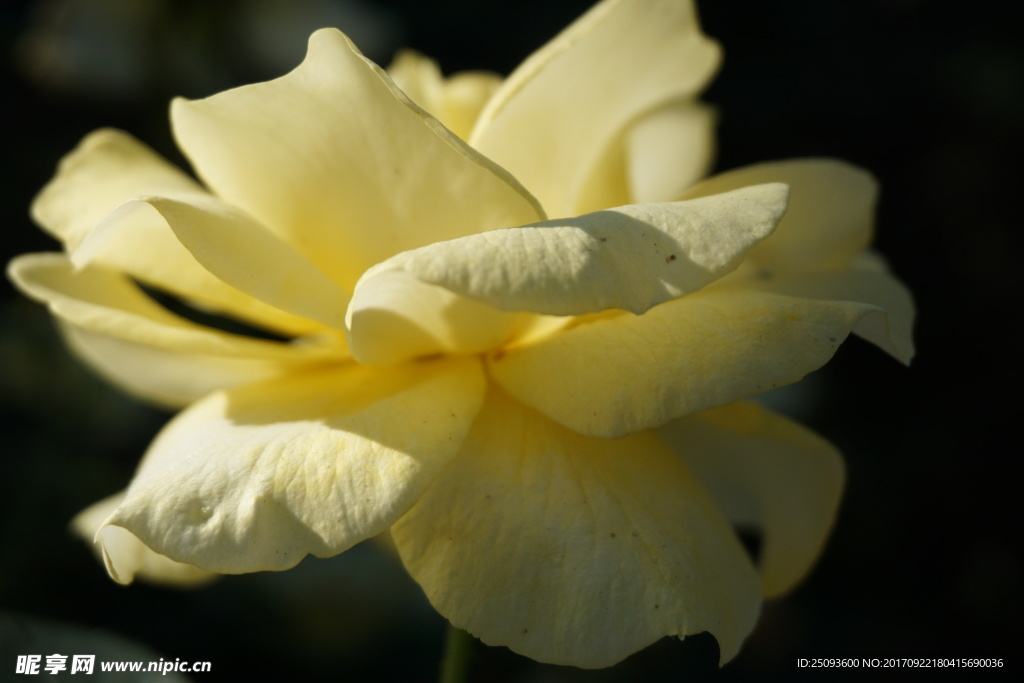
x: 455, y: 101
x: 106, y: 302
x: 338, y: 162
x: 86, y: 206
x: 865, y: 279
x: 557, y: 113
x: 237, y: 250
x: 631, y: 258
x: 172, y: 379
x: 831, y: 211
x: 260, y: 476
x: 134, y: 557
x: 768, y: 474
x: 669, y: 149
x: 573, y: 550
x: 654, y: 159
x: 108, y: 167
x: 620, y: 374
x: 394, y: 317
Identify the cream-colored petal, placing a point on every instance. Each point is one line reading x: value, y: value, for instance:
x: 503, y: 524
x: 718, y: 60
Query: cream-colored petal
x: 653, y: 159
x: 104, y: 301
x: 555, y: 115
x: 260, y: 476
x: 107, y: 167
x: 338, y: 162
x: 669, y: 149
x: 573, y: 550
x: 394, y: 317
x: 420, y: 78
x: 865, y: 279
x: 237, y: 250
x: 131, y: 553
x: 767, y: 473
x: 455, y: 101
x: 620, y: 374
x: 830, y: 217
x: 171, y: 379
x: 631, y: 258
x: 86, y: 206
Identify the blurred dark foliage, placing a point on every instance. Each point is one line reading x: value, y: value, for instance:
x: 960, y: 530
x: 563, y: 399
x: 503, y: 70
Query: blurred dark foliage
x: 925, y: 559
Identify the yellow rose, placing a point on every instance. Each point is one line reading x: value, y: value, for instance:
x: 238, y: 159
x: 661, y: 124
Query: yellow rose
x: 515, y: 342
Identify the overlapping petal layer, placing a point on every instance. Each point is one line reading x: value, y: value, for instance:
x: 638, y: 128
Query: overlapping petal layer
x: 538, y: 409
x: 623, y: 373
x: 668, y: 150
x: 455, y: 101
x: 831, y: 212
x: 133, y: 557
x: 818, y: 249
x: 767, y: 474
x: 260, y: 476
x: 395, y: 317
x: 165, y: 358
x: 339, y: 163
x: 554, y: 118
x: 229, y: 245
x: 631, y: 258
x: 106, y: 302
x: 166, y: 377
x: 865, y: 279
x: 574, y: 550
x: 88, y: 206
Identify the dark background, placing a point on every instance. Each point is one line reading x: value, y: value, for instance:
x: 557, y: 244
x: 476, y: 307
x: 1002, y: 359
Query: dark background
x: 925, y: 560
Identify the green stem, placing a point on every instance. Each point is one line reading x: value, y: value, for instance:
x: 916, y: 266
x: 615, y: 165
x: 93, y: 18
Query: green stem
x: 457, y: 646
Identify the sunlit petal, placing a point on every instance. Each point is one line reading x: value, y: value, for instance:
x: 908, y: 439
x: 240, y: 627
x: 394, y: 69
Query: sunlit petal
x: 631, y: 258
x: 105, y: 302
x: 86, y: 205
x: 866, y: 279
x: 455, y: 101
x: 131, y: 554
x: 623, y: 373
x: 554, y: 117
x: 338, y: 162
x: 260, y: 476
x: 395, y: 317
x: 166, y: 377
x: 573, y: 550
x: 830, y: 217
x: 767, y: 474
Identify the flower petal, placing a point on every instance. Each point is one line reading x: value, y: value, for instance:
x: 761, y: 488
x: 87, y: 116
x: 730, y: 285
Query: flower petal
x: 338, y: 162
x: 172, y: 379
x: 830, y: 216
x: 623, y: 373
x: 86, y: 206
x: 455, y: 101
x: 555, y: 115
x: 632, y: 257
x: 394, y: 317
x: 257, y: 477
x: 669, y: 149
x: 131, y: 554
x: 866, y: 279
x: 573, y: 550
x: 766, y: 472
x: 106, y: 302
x: 108, y: 167
x: 237, y: 250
